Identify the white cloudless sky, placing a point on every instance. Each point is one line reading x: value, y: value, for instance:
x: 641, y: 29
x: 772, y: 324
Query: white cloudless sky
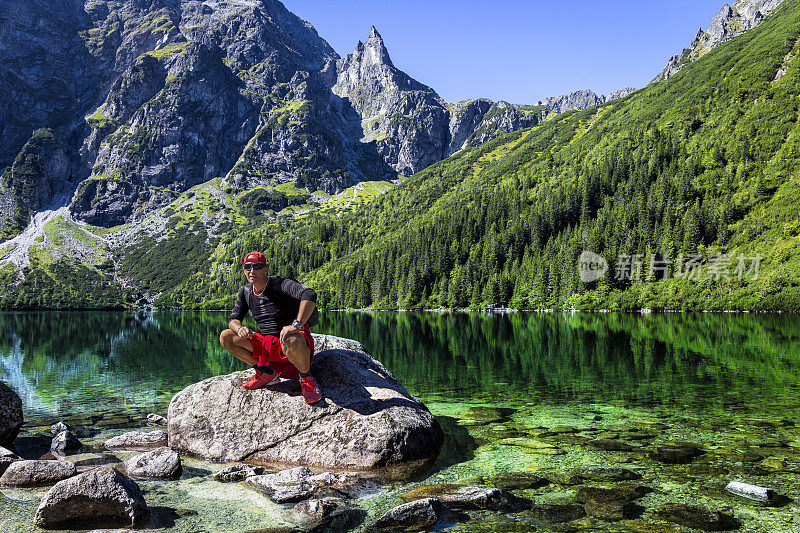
x: 516, y: 50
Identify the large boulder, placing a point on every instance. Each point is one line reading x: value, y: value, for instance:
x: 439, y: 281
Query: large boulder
x: 100, y: 497
x: 10, y: 414
x: 366, y: 420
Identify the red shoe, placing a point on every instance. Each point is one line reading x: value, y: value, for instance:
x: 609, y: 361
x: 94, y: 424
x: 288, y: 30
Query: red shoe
x: 261, y: 380
x: 311, y: 393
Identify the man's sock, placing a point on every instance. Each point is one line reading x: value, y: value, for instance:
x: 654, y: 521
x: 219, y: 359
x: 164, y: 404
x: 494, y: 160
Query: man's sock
x: 304, y: 374
x: 264, y: 369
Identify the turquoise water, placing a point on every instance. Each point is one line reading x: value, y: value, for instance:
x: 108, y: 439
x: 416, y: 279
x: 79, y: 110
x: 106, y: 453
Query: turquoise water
x: 726, y: 382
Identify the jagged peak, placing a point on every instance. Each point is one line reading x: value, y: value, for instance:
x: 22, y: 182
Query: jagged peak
x: 373, y: 34
x: 373, y: 51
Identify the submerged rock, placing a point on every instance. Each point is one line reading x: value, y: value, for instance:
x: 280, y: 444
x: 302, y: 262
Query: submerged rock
x: 605, y: 473
x: 101, y: 497
x: 618, y: 493
x: 366, y: 419
x: 297, y: 484
x: 65, y: 443
x: 326, y: 514
x: 465, y: 496
x: 137, y: 440
x: 11, y: 418
x: 238, y: 473
x: 161, y: 462
x: 697, y: 517
x: 416, y: 515
x: 676, y: 454
x: 556, y: 513
x: 36, y: 473
x: 517, y: 481
x: 610, y: 445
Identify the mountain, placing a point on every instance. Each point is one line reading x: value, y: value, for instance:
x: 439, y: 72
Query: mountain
x: 208, y: 129
x: 121, y: 106
x: 582, y: 99
x: 695, y: 175
x: 727, y: 23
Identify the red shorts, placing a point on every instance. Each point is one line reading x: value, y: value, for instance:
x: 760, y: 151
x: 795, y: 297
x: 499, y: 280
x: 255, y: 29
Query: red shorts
x: 267, y: 349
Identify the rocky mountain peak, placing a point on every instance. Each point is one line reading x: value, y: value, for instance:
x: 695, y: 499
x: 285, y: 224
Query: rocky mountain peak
x: 372, y: 52
x: 727, y: 23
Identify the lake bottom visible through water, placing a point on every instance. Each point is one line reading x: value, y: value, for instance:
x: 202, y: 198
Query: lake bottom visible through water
x: 540, y: 405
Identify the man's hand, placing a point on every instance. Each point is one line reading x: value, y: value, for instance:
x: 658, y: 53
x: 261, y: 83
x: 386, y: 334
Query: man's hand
x: 288, y: 330
x: 244, y: 332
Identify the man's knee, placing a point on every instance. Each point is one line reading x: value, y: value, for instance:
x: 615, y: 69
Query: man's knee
x: 226, y: 337
x: 293, y: 342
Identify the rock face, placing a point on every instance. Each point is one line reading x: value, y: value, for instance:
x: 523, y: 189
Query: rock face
x: 161, y: 462
x: 100, y: 497
x: 366, y: 420
x: 582, y: 99
x: 35, y: 473
x: 122, y: 105
x: 728, y: 22
x: 10, y: 414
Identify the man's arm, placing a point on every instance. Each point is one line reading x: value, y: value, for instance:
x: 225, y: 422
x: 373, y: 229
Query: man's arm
x: 307, y: 297
x: 239, y: 311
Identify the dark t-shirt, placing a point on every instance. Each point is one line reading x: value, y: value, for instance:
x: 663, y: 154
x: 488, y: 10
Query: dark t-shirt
x: 276, y: 307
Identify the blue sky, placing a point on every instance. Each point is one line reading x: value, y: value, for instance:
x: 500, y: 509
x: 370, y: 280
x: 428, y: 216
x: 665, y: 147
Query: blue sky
x: 516, y: 50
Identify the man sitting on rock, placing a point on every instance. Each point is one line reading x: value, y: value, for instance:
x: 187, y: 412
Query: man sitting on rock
x: 283, y: 310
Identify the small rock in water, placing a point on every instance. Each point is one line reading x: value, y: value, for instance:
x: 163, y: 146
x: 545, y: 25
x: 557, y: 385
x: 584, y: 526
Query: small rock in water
x: 6, y: 458
x: 561, y: 477
x: 465, y: 496
x: 161, y: 462
x: 60, y: 426
x: 65, y: 443
x: 605, y: 473
x: 102, y: 495
x: 697, y: 517
x: 752, y: 492
x: 35, y: 473
x: 326, y: 514
x: 417, y: 515
x: 137, y: 440
x: 297, y: 484
x: 156, y: 420
x: 238, y: 473
x: 676, y: 454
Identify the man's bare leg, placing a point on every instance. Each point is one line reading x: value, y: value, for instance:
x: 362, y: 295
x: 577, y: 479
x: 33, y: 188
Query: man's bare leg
x: 296, y: 350
x: 238, y: 347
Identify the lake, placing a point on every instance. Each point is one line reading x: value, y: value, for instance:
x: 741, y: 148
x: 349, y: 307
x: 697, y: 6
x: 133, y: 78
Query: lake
x: 535, y: 393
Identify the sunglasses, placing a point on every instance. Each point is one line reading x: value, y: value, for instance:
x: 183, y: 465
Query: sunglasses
x: 255, y: 266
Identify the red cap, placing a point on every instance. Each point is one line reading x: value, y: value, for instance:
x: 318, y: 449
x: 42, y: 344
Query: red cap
x: 255, y: 257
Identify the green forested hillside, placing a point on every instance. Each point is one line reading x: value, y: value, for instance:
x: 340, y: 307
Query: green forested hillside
x: 704, y: 163
x: 702, y: 166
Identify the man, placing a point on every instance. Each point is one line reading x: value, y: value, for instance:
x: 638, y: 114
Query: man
x: 282, y: 308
